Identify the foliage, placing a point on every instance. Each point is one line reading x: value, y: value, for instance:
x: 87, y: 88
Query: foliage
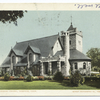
x: 94, y: 54
x: 76, y: 79
x: 35, y: 78
x: 29, y: 78
x: 22, y: 73
x: 58, y: 76
x: 29, y: 72
x: 48, y: 77
x: 19, y: 75
x: 11, y: 16
x: 6, y: 77
x: 49, y: 72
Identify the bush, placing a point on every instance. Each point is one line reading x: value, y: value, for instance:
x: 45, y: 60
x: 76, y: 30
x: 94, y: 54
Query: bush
x: 58, y: 77
x: 6, y: 77
x: 66, y: 78
x: 29, y: 78
x: 76, y: 79
x: 2, y: 78
x: 48, y: 78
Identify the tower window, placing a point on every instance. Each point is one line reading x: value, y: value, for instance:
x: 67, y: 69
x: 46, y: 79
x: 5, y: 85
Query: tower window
x: 76, y: 67
x: 79, y: 42
x: 70, y: 42
x: 84, y: 65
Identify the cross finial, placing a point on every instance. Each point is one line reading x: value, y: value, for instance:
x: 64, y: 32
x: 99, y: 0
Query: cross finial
x: 71, y: 20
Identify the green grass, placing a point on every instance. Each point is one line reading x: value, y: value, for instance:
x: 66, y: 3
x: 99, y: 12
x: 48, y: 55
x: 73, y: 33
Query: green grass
x: 18, y: 85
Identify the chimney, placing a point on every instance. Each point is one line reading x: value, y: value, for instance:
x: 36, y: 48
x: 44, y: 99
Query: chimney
x: 65, y: 37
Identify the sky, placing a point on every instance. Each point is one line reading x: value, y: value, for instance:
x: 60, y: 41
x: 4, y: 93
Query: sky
x: 37, y: 24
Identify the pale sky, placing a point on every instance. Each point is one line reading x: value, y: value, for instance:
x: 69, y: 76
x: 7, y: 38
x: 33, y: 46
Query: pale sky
x: 37, y: 24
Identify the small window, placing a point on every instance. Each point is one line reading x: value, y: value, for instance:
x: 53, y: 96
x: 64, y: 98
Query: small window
x: 30, y: 58
x: 75, y: 66
x: 79, y: 42
x: 84, y: 65
x: 70, y: 42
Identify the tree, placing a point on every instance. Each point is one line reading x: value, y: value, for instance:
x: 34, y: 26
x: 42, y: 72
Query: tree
x: 94, y: 54
x: 11, y: 16
x: 76, y: 79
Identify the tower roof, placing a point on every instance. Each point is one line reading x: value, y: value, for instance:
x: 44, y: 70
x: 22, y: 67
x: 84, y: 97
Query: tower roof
x: 71, y: 27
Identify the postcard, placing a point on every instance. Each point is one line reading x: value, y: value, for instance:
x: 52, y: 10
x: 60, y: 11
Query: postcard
x: 50, y: 49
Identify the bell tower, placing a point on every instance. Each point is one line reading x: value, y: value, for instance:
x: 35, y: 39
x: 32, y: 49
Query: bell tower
x: 75, y: 38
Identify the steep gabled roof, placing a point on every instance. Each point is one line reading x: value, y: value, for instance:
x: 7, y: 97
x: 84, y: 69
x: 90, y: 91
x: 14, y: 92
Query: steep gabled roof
x: 43, y: 44
x: 6, y: 62
x: 34, y: 49
x: 70, y: 28
x: 16, y: 52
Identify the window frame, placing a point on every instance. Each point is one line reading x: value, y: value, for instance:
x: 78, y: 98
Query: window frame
x: 30, y: 57
x: 84, y: 65
x: 75, y: 66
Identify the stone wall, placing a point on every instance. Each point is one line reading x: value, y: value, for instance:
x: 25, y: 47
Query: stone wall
x: 75, y: 42
x: 80, y: 67
x: 72, y: 38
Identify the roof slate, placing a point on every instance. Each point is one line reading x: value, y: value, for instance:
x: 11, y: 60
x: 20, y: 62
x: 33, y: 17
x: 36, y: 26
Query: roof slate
x: 34, y: 49
x: 43, y: 44
x: 74, y: 55
x: 77, y: 55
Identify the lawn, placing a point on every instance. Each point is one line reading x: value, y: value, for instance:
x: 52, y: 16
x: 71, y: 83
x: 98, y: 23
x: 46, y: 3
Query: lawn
x: 47, y: 84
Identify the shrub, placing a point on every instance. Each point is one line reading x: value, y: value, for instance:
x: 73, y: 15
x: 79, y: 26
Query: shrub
x: 66, y: 78
x: 2, y: 78
x: 35, y: 78
x: 58, y: 77
x: 6, y: 77
x: 46, y: 77
x: 19, y: 75
x: 76, y: 79
x: 15, y: 78
x: 29, y: 78
x: 49, y: 72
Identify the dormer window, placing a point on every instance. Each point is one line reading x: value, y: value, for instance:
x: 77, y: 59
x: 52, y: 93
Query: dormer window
x: 30, y: 57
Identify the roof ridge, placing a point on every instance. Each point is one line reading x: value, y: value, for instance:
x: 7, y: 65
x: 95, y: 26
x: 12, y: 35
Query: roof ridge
x: 37, y: 38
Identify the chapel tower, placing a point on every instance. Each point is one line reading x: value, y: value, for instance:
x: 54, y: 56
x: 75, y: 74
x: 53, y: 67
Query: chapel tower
x: 75, y: 38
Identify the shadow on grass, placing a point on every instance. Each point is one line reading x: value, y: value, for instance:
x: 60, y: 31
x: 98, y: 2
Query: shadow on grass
x: 67, y: 83
x: 93, y: 83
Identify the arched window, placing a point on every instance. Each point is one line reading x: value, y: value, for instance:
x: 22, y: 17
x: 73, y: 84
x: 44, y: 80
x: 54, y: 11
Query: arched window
x: 84, y: 65
x: 13, y: 60
x: 75, y: 64
x: 30, y: 58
